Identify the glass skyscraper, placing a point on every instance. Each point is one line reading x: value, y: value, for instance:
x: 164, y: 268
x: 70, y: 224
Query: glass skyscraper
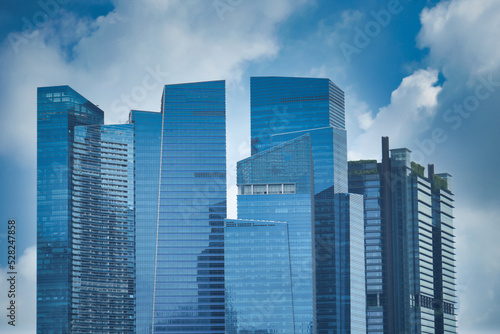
x: 103, y: 230
x: 258, y: 277
x: 115, y: 242
x: 189, y: 271
x: 282, y: 109
x: 147, y: 141
x: 277, y: 185
x: 409, y: 248
x: 365, y: 179
x: 349, y: 212
x: 132, y: 235
x: 284, y: 104
x: 85, y: 223
x: 60, y: 109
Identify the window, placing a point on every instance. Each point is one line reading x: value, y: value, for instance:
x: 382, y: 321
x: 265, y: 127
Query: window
x: 274, y: 188
x: 289, y: 188
x: 260, y: 189
x: 263, y: 189
x: 244, y: 190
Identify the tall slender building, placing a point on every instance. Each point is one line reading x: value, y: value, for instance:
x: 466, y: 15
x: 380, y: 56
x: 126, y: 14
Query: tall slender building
x: 147, y: 148
x: 366, y: 179
x: 285, y: 108
x: 277, y: 184
x: 60, y: 109
x: 410, y: 266
x: 189, y: 263
x: 103, y: 230
x: 85, y: 218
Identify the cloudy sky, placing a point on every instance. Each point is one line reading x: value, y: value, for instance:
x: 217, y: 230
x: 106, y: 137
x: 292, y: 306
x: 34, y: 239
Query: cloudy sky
x: 425, y: 73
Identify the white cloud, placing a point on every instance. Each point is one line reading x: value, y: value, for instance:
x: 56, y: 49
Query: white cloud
x: 25, y: 299
x: 462, y: 36
x: 332, y: 34
x: 412, y: 108
x: 478, y: 268
x: 359, y: 116
x: 107, y: 58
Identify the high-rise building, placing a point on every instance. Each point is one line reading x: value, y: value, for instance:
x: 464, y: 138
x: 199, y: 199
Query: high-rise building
x: 85, y: 219
x: 60, y: 109
x: 365, y: 179
x: 189, y: 269
x: 410, y: 266
x: 258, y: 279
x: 277, y: 184
x: 351, y: 275
x: 130, y: 217
x: 286, y: 108
x: 103, y: 230
x: 147, y: 140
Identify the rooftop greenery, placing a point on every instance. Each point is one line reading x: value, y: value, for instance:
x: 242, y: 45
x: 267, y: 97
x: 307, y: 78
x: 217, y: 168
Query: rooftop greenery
x: 417, y: 169
x: 363, y: 171
x: 360, y: 162
x: 356, y: 167
x: 439, y: 183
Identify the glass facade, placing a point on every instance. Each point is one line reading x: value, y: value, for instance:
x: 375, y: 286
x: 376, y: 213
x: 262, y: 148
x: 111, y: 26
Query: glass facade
x: 284, y: 104
x: 60, y: 109
x: 365, y: 179
x: 147, y: 140
x: 103, y: 230
x: 189, y: 276
x: 287, y: 164
x: 329, y: 150
x: 258, y: 278
x: 349, y: 212
x: 285, y: 108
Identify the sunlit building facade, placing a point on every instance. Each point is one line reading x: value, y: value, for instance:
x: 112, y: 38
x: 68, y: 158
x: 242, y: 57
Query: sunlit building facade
x: 277, y: 184
x: 147, y: 148
x: 189, y: 270
x: 284, y: 108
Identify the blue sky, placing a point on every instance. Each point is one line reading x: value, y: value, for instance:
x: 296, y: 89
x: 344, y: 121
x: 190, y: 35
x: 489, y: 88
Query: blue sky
x: 425, y: 73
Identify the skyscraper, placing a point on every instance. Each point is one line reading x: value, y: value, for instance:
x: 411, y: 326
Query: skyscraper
x: 60, y: 109
x: 85, y: 223
x: 259, y: 296
x: 189, y: 270
x: 96, y: 182
x: 147, y: 141
x: 409, y: 244
x: 103, y: 230
x: 277, y: 184
x: 365, y: 179
x: 283, y: 109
